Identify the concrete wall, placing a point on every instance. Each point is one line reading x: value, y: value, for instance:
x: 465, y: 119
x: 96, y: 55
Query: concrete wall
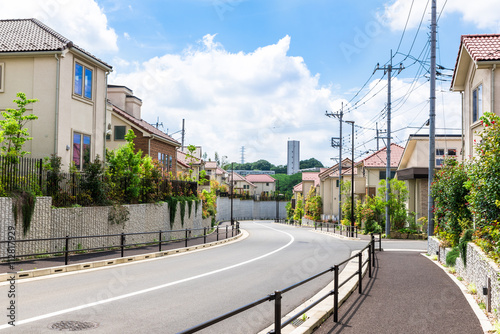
x: 479, y: 268
x: 248, y: 209
x: 48, y: 222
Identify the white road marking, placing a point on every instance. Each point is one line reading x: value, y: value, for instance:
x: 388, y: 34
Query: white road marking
x: 77, y: 308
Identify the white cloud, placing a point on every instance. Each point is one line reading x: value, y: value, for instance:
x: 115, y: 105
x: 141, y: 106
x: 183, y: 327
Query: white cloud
x: 258, y: 100
x: 481, y: 13
x: 81, y: 21
x: 126, y: 35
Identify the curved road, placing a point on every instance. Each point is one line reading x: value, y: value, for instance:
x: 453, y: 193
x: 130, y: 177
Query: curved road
x: 170, y: 294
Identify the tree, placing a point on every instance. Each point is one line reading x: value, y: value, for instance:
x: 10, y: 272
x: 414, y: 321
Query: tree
x: 310, y: 163
x: 14, y: 134
x: 314, y: 205
x: 299, y: 208
x: 397, y: 202
x: 124, y: 170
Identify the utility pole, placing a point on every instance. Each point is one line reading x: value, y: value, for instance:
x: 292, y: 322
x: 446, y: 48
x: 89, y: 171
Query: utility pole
x: 432, y: 121
x: 339, y: 115
x: 183, y: 133
x: 388, y: 69
x: 232, y: 192
x: 352, y: 179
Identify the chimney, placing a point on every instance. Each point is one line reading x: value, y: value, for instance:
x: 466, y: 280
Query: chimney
x: 123, y: 98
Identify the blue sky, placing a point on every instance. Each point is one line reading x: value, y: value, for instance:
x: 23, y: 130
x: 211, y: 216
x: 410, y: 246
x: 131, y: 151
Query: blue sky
x: 256, y: 73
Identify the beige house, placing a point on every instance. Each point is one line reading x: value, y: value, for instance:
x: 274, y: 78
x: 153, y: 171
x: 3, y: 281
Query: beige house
x: 241, y: 185
x: 264, y: 184
x: 414, y: 166
x: 189, y: 165
x: 477, y: 78
x: 125, y: 114
x: 329, y: 189
x: 214, y: 172
x: 70, y: 84
x: 374, y: 167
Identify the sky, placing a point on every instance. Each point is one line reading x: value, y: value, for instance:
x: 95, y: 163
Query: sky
x: 257, y: 73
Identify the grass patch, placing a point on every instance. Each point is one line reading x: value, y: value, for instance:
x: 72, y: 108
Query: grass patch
x: 472, y: 289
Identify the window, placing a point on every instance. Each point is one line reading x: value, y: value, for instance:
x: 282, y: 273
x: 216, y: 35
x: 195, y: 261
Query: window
x: 267, y: 184
x: 452, y: 151
x: 337, y: 183
x: 477, y: 103
x: 2, y: 66
x: 440, y: 151
x: 165, y: 161
x: 120, y: 131
x: 81, y: 150
x: 381, y: 174
x: 83, y: 81
x: 439, y: 162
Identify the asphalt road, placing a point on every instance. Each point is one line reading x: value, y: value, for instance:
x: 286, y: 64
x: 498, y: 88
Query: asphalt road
x: 167, y: 295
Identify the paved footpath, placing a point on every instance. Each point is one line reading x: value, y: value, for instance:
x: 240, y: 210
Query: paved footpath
x: 407, y: 294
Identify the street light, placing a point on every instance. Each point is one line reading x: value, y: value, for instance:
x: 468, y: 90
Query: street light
x: 277, y: 201
x: 352, y: 179
x: 232, y: 195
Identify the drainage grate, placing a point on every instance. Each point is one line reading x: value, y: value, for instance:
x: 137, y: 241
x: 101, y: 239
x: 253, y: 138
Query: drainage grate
x: 297, y: 322
x: 72, y: 326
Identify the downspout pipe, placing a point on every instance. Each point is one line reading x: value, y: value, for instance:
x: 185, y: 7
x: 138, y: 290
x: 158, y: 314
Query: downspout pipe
x: 56, y: 123
x: 105, y: 119
x: 493, y: 68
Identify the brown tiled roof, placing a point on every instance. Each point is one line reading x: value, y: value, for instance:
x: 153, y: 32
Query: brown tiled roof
x: 28, y: 35
x: 379, y: 158
x: 482, y: 47
x: 144, y: 125
x: 298, y: 188
x: 210, y: 165
x: 181, y: 156
x: 311, y: 176
x: 261, y: 178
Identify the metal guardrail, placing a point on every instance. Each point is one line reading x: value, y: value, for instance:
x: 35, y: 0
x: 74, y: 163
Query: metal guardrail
x: 230, y: 230
x: 351, y: 231
x: 277, y: 295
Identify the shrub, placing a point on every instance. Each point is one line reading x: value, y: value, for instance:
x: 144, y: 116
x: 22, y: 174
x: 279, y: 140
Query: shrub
x: 450, y: 201
x: 451, y: 257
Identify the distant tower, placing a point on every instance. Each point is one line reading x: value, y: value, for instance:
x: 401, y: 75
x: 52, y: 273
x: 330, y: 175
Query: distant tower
x: 293, y: 160
x: 242, y: 155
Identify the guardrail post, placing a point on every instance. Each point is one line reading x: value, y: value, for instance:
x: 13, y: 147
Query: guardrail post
x: 226, y: 231
x: 360, y: 276
x: 238, y: 228
x: 217, y: 232
x: 315, y: 225
x: 321, y: 226
x: 373, y: 250
x: 356, y: 232
x: 380, y: 241
x: 186, y: 239
x: 159, y: 242
x: 336, y: 293
x: 327, y: 226
x: 277, y: 312
x: 204, y: 235
x: 232, y: 231
x: 122, y: 243
x: 370, y: 260
x: 334, y: 228
x: 66, y: 253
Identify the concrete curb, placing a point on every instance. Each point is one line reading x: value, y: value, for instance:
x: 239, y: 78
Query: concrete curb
x: 318, y: 314
x: 109, y: 262
x: 483, y: 319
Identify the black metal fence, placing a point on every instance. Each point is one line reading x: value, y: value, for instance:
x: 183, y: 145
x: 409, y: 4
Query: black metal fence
x: 84, y: 189
x: 65, y: 246
x: 277, y: 295
x: 20, y: 173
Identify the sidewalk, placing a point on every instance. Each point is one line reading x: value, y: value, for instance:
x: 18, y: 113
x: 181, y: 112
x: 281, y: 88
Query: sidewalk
x: 40, y: 263
x: 407, y: 294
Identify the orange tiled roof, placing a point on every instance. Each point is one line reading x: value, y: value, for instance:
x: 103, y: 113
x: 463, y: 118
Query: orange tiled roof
x: 260, y: 178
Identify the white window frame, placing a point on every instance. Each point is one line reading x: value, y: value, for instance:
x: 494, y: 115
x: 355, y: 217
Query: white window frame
x: 82, y: 160
x: 478, y: 104
x: 2, y: 77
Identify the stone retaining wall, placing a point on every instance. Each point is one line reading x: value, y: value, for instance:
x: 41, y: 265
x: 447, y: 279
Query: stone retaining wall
x: 248, y: 209
x: 51, y: 222
x: 478, y: 269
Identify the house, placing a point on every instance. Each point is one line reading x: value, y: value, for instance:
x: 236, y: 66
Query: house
x: 264, y: 184
x: 125, y: 114
x: 214, y: 172
x: 309, y: 179
x: 70, y: 84
x: 414, y: 166
x: 189, y: 164
x: 373, y: 168
x: 241, y: 185
x: 329, y: 189
x: 476, y: 77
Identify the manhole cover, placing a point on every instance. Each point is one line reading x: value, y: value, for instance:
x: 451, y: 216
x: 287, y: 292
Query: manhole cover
x: 297, y: 322
x: 73, y: 325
